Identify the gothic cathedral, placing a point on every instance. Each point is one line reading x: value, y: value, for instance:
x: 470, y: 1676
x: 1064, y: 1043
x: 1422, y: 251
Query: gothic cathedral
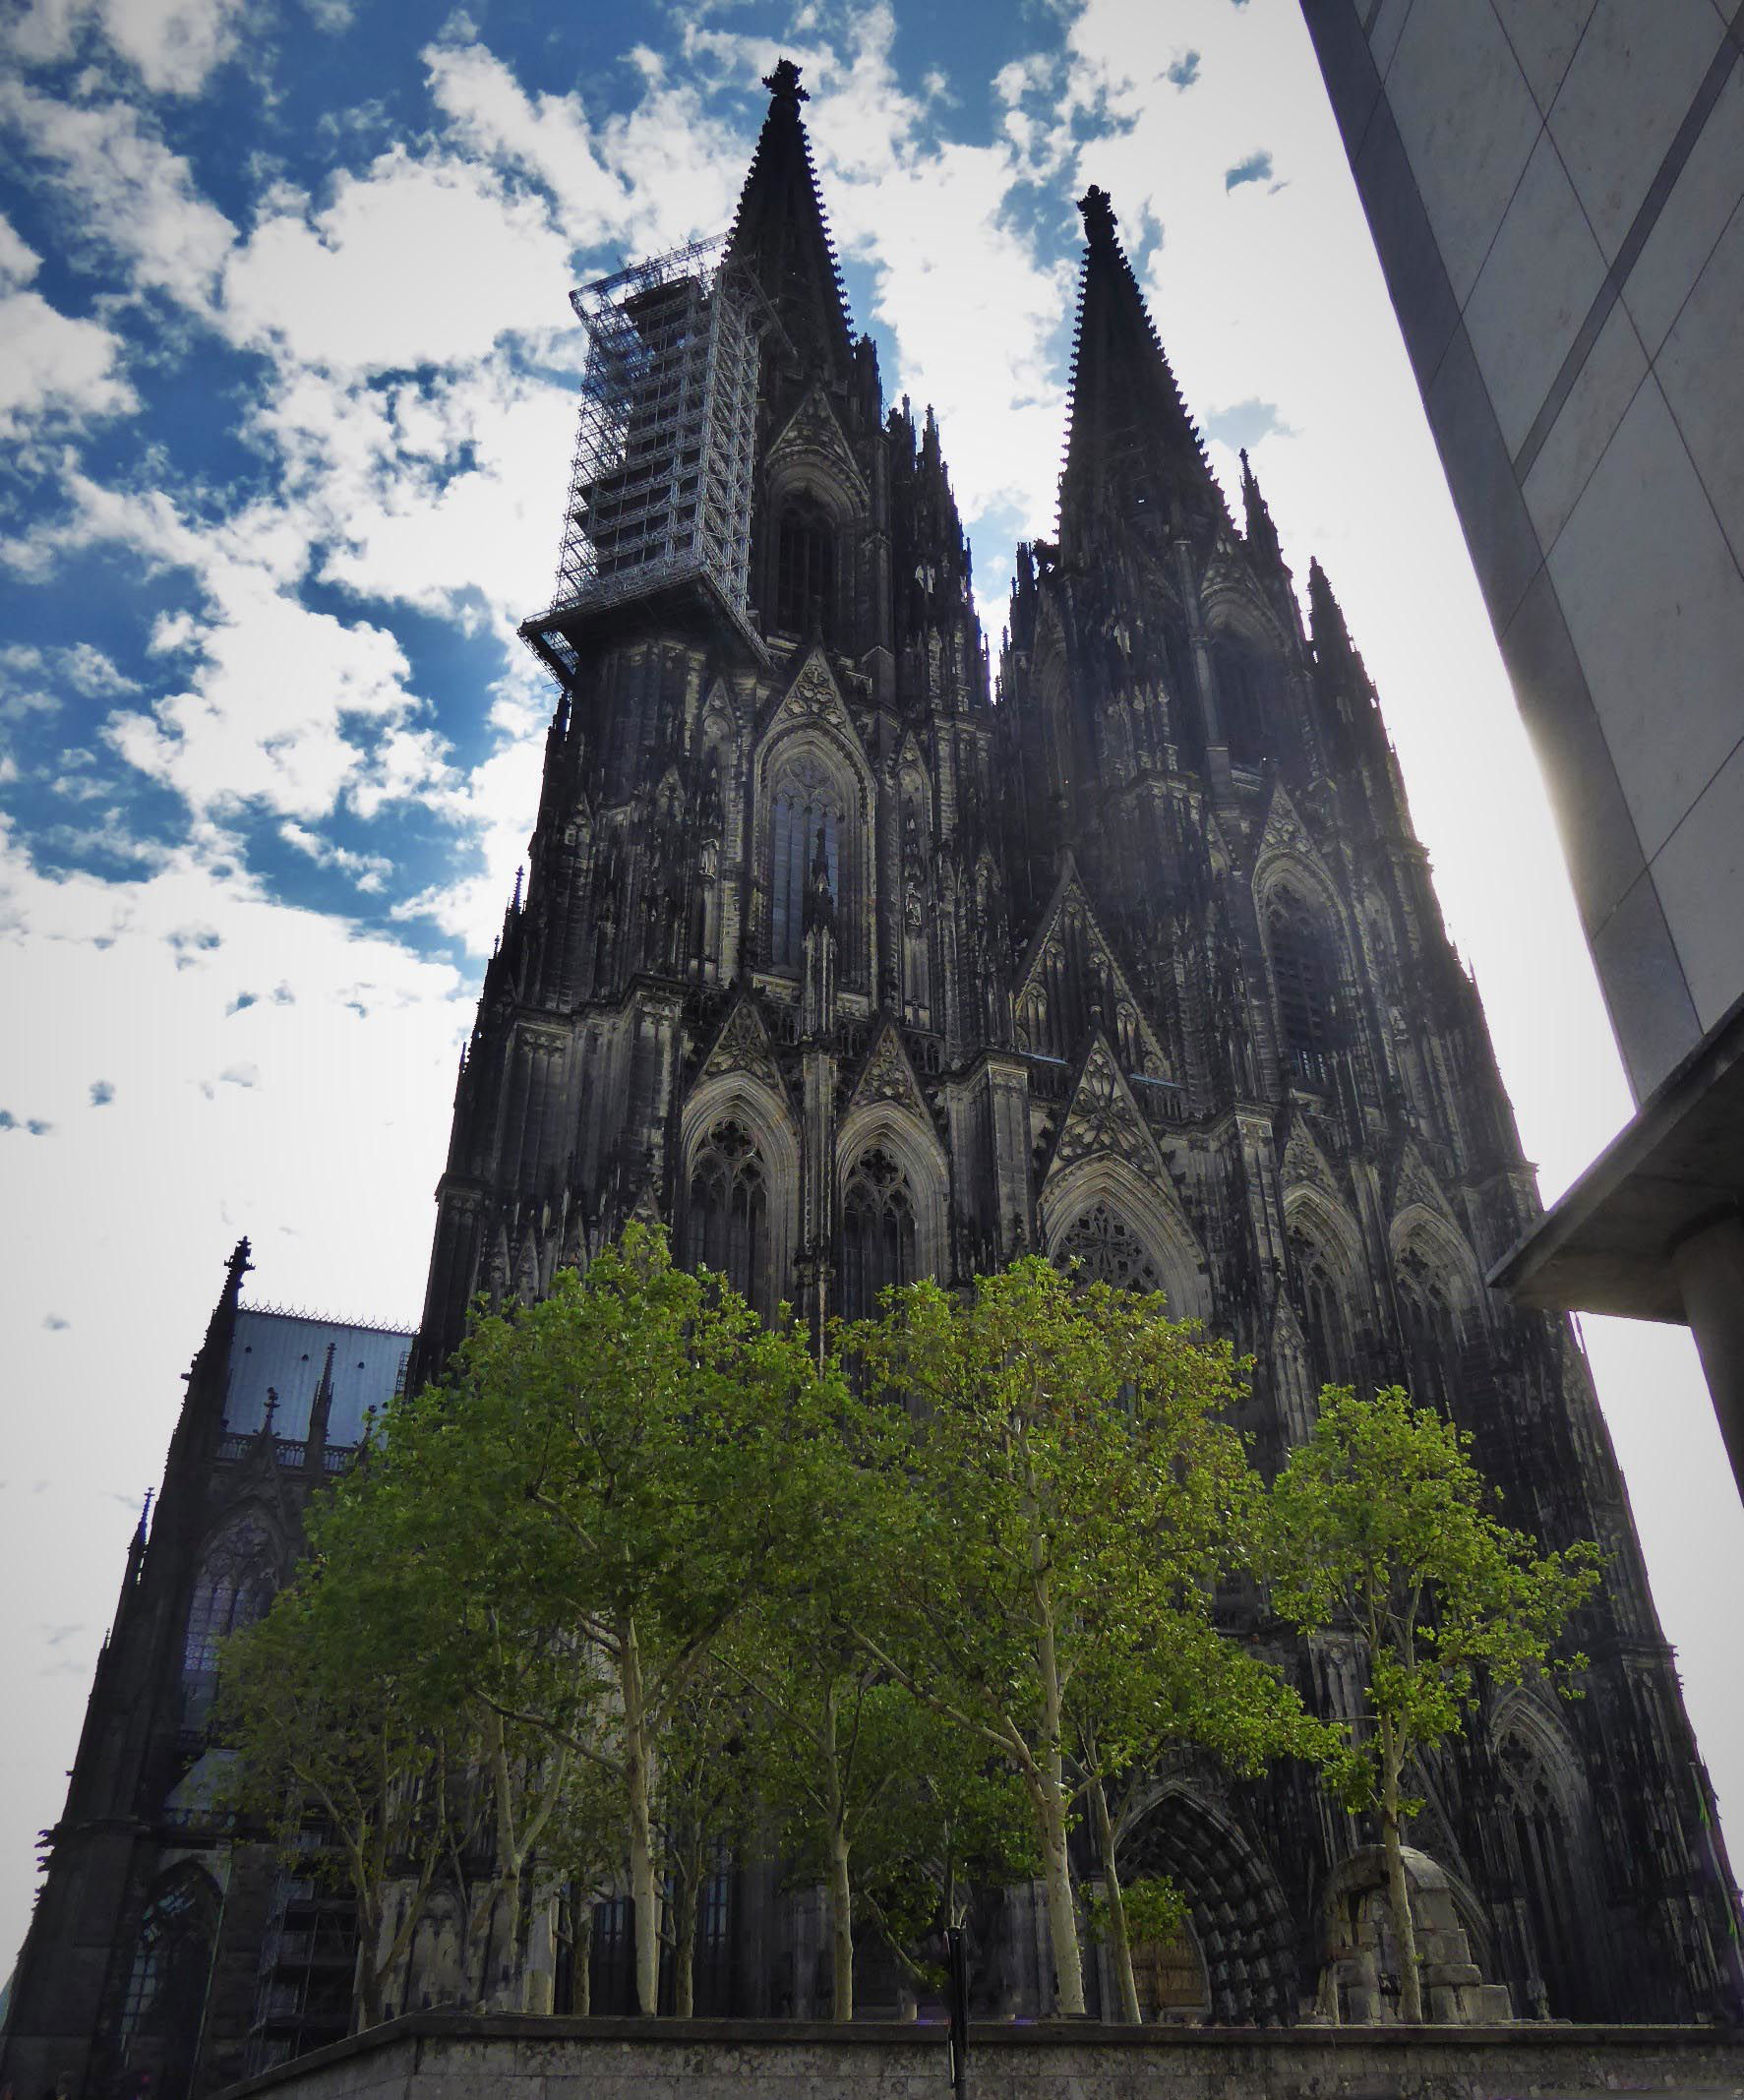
x: 852, y: 966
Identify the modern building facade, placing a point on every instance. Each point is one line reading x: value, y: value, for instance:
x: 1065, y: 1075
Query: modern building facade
x: 849, y: 972
x: 1557, y: 193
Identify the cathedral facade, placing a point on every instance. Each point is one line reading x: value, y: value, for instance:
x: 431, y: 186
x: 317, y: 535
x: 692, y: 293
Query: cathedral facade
x: 852, y: 963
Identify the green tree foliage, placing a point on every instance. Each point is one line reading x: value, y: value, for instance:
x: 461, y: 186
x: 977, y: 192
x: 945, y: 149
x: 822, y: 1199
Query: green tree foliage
x: 340, y: 1755
x: 1065, y: 1502
x: 603, y: 1479
x: 1381, y: 1524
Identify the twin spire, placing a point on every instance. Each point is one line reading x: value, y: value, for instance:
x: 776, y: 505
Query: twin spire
x: 1132, y: 450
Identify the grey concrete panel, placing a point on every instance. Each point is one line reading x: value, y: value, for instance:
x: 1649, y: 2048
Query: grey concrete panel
x: 1597, y: 834
x: 1643, y: 980
x: 1545, y: 35
x: 1575, y: 443
x: 1469, y: 122
x: 1704, y: 198
x: 1346, y: 65
x: 1627, y: 91
x: 1422, y: 298
x: 1654, y: 604
x: 1385, y: 30
x: 1702, y: 372
x: 1537, y: 284
x: 1498, y: 532
x: 1700, y: 877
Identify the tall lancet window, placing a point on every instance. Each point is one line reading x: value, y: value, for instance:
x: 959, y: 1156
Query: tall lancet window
x: 1243, y: 687
x: 877, y: 1233
x: 235, y: 1586
x: 164, y: 2007
x: 806, y: 803
x: 1303, y: 971
x: 727, y: 1214
x: 804, y: 569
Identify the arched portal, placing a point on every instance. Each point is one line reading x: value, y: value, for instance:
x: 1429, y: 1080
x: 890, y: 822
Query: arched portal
x: 1240, y: 1925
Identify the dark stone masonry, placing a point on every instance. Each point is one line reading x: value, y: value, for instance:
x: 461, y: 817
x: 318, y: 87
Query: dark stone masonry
x: 852, y: 962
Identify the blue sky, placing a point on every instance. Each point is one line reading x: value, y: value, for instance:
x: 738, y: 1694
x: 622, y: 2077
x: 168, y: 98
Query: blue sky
x: 288, y: 405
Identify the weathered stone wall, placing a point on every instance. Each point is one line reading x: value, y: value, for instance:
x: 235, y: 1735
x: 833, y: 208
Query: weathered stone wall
x: 453, y: 2057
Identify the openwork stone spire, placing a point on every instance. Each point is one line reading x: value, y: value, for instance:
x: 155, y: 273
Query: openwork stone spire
x: 780, y: 231
x: 1133, y: 455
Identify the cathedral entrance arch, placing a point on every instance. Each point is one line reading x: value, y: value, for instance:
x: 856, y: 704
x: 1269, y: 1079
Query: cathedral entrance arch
x: 1239, y: 1928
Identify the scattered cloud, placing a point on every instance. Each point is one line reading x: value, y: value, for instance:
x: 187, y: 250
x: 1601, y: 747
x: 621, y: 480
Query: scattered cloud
x: 103, y: 1092
x: 1182, y: 71
x: 55, y: 1324
x: 34, y: 1126
x: 173, y: 44
x: 1245, y: 423
x: 1257, y: 167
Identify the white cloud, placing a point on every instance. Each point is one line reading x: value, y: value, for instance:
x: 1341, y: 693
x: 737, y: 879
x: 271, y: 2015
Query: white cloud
x: 368, y: 870
x: 174, y: 45
x: 124, y: 192
x: 56, y: 368
x: 417, y: 263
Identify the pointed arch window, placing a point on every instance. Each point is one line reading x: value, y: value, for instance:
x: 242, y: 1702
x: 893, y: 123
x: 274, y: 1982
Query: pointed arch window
x: 1325, y: 1312
x: 727, y: 1210
x: 235, y: 1585
x: 1305, y: 974
x: 1108, y: 1250
x: 164, y: 2009
x: 804, y: 568
x: 808, y: 797
x: 877, y: 1233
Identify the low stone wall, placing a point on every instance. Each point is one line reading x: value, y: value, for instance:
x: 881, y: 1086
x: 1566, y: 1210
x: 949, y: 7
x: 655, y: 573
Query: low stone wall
x: 432, y: 2056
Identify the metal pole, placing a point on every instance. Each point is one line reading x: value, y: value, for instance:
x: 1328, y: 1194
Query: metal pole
x: 956, y: 1967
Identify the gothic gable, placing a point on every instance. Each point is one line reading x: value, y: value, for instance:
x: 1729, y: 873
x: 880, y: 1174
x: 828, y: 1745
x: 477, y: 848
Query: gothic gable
x: 1304, y: 1163
x: 743, y: 1048
x: 1284, y: 837
x: 1414, y: 1185
x: 1070, y: 914
x: 888, y: 1076
x: 812, y: 444
x: 813, y: 700
x: 1102, y: 1117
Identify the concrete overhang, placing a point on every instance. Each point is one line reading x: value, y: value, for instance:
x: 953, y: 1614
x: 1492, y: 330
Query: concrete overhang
x: 1607, y: 1246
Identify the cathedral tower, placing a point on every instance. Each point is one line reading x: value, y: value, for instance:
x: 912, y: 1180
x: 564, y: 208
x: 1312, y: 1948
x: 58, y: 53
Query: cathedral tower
x: 849, y: 974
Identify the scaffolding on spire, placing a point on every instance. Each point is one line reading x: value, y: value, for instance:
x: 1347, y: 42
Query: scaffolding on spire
x: 660, y: 493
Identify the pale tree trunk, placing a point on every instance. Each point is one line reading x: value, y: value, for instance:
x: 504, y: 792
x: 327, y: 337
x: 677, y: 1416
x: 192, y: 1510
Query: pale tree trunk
x: 1120, y: 1940
x: 1405, y: 1931
x: 581, y: 1962
x: 684, y: 1953
x: 841, y: 1926
x: 1049, y: 1784
x: 841, y: 1889
x: 643, y: 1888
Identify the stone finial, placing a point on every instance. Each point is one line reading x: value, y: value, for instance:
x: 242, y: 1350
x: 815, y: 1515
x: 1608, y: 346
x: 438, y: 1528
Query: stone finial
x: 784, y: 84
x: 1099, y: 216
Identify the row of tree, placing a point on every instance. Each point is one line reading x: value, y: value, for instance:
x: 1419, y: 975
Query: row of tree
x: 642, y: 1585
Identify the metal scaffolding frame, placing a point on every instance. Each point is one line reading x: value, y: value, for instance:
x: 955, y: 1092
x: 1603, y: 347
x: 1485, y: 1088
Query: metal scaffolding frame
x: 660, y: 492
